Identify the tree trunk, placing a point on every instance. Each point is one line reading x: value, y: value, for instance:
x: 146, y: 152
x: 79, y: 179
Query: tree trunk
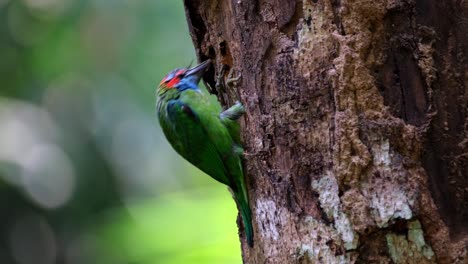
x: 356, y: 124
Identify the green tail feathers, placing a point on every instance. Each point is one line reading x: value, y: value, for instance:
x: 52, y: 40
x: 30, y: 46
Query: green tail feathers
x: 246, y: 215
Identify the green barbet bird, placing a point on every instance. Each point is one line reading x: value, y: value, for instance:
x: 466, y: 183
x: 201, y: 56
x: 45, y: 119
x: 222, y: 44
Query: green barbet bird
x: 206, y: 138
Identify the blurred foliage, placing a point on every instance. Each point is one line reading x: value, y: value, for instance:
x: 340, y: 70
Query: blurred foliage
x: 85, y: 174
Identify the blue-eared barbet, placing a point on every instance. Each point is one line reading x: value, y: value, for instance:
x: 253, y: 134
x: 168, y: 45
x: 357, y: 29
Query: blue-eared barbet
x: 206, y: 137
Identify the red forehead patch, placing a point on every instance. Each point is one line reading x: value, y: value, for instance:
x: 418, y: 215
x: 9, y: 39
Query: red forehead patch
x: 162, y: 81
x: 173, y: 78
x: 180, y: 72
x: 173, y: 82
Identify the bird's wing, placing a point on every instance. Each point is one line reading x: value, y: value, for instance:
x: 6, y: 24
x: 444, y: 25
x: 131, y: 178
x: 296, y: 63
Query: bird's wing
x: 233, y: 129
x: 199, y: 136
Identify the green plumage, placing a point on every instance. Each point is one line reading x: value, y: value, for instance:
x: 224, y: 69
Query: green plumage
x: 206, y: 138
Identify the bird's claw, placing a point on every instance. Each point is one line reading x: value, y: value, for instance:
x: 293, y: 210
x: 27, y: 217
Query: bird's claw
x: 249, y: 154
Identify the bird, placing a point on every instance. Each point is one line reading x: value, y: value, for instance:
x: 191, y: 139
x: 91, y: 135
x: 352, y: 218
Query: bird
x: 203, y: 135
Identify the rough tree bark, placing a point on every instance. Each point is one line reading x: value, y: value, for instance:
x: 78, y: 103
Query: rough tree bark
x: 356, y: 124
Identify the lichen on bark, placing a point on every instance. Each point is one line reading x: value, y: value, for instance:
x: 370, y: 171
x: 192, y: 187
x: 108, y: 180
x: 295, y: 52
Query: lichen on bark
x: 410, y: 246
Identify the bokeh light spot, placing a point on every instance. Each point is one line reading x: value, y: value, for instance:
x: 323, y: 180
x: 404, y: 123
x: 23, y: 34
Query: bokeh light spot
x: 48, y: 176
x: 31, y: 156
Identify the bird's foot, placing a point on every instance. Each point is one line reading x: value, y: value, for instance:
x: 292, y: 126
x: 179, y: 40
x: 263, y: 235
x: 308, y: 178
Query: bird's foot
x: 234, y: 112
x: 247, y: 154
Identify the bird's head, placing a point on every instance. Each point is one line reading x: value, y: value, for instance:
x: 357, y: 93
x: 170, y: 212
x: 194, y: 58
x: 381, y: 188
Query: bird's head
x: 183, y: 78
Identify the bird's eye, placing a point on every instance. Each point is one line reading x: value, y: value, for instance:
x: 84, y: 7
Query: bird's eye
x: 181, y: 74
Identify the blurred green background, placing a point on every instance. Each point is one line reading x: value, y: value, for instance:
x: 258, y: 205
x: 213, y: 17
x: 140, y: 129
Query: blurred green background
x: 85, y: 174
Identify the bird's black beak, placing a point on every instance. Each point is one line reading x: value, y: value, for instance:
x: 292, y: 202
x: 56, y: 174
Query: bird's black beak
x: 198, y: 71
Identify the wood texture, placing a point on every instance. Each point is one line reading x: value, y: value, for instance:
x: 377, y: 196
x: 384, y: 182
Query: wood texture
x: 356, y: 127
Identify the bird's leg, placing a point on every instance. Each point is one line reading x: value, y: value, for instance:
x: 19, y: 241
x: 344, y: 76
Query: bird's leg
x: 233, y: 112
x: 237, y: 149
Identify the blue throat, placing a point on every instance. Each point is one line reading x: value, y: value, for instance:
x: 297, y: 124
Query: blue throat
x: 187, y: 83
